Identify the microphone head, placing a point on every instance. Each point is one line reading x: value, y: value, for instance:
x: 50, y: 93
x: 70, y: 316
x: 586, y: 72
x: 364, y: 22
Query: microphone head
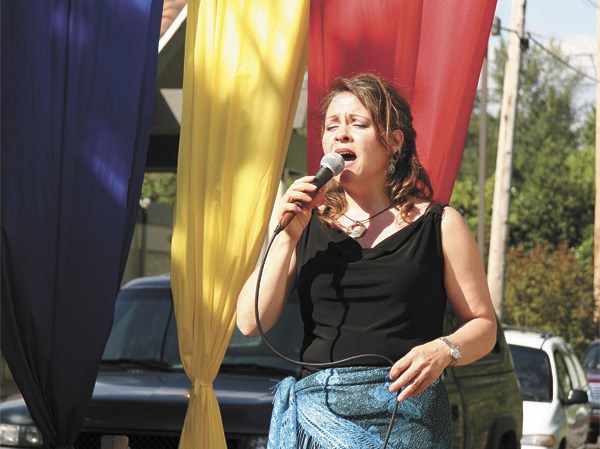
x: 334, y: 162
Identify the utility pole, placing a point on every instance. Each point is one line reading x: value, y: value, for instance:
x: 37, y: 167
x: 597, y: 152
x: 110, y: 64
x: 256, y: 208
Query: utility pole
x: 482, y: 156
x: 502, y: 183
x: 597, y: 184
x: 495, y: 31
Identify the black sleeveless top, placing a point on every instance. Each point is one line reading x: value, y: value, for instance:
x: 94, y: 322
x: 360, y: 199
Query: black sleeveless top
x: 382, y: 300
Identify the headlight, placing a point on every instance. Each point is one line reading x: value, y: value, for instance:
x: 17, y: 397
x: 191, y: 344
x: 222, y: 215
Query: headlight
x: 256, y: 443
x: 17, y: 435
x: 538, y: 440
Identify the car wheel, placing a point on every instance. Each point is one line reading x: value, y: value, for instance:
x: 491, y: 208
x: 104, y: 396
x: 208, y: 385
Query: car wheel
x: 508, y: 441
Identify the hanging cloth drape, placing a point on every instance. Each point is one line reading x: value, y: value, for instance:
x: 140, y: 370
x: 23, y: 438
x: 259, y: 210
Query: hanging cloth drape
x: 77, y: 90
x: 244, y: 65
x: 431, y: 50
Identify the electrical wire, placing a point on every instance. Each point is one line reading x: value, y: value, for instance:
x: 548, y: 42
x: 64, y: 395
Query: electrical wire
x: 592, y: 3
x: 562, y: 61
x: 315, y: 365
x: 529, y: 36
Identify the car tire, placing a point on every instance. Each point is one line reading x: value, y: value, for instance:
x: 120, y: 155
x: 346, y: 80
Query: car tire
x: 508, y: 441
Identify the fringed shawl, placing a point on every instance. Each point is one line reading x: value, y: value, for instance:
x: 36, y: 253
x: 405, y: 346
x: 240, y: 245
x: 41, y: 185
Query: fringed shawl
x: 350, y: 408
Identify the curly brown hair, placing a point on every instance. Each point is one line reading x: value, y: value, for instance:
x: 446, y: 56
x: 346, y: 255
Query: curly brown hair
x: 390, y: 112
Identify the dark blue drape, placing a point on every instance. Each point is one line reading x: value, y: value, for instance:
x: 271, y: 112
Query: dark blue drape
x: 78, y: 80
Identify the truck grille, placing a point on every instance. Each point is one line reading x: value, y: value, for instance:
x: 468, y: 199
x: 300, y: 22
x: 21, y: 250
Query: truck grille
x: 92, y: 441
x: 595, y: 391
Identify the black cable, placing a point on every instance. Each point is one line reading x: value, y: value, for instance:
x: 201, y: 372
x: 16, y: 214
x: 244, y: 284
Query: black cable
x: 562, y: 61
x: 593, y: 4
x: 529, y: 36
x: 298, y: 362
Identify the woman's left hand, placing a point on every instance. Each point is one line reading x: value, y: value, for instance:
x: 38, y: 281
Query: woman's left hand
x: 419, y: 368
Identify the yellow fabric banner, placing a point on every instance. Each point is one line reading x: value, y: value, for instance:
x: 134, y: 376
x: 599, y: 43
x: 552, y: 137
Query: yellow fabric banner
x: 243, y: 70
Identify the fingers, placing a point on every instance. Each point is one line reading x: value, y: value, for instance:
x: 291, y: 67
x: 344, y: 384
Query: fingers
x: 413, y: 388
x: 297, y: 202
x: 411, y: 383
x: 414, y: 372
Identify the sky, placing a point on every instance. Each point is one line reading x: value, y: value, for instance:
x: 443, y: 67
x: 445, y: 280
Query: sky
x: 572, y: 23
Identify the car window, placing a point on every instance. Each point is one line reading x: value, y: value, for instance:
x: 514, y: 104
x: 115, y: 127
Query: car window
x: 591, y: 359
x: 171, y: 343
x: 144, y: 329
x: 285, y: 336
x: 578, y: 379
x: 562, y: 376
x: 533, y: 370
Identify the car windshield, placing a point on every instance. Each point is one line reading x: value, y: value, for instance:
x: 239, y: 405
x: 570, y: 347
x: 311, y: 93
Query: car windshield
x: 533, y: 370
x: 144, y: 334
x: 591, y: 360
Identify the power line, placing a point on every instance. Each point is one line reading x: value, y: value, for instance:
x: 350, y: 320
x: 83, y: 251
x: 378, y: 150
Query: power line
x: 529, y: 36
x: 592, y: 3
x: 562, y: 61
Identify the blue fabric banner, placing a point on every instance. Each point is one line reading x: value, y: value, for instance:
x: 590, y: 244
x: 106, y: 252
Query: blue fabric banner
x: 78, y: 82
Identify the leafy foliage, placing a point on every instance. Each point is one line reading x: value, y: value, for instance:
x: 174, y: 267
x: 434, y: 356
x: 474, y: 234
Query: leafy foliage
x: 547, y: 288
x: 555, y: 203
x: 549, y: 268
x: 160, y: 187
x: 588, y: 130
x: 469, y: 168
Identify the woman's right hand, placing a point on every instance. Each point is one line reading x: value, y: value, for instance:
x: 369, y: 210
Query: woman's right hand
x: 296, y: 205
x: 294, y: 210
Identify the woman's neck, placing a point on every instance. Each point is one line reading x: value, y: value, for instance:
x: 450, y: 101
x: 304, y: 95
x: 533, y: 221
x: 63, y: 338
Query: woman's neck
x: 369, y: 202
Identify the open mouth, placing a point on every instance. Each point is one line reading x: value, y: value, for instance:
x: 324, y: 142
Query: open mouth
x: 348, y: 155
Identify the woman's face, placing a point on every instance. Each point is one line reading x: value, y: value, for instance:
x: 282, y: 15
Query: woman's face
x: 350, y: 131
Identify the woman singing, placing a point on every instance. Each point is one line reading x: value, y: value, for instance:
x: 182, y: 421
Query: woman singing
x: 373, y: 261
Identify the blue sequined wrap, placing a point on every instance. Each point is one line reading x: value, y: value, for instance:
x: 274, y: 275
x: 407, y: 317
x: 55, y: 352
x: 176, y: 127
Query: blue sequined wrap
x: 351, y: 407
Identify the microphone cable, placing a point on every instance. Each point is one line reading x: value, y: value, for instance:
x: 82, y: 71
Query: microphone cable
x: 315, y: 365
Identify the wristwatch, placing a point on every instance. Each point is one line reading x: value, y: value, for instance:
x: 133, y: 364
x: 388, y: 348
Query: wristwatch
x: 454, y: 351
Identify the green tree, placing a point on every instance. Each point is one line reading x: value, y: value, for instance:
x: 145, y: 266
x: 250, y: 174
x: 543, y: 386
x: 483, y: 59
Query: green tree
x: 548, y: 288
x: 550, y: 198
x: 549, y: 261
x: 584, y: 165
x: 555, y: 202
x: 469, y: 168
x: 588, y: 130
x: 465, y: 199
x: 160, y: 187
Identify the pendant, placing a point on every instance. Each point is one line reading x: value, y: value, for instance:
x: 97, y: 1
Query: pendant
x: 356, y: 230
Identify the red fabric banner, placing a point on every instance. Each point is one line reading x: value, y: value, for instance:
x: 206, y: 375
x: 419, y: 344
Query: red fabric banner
x: 431, y: 50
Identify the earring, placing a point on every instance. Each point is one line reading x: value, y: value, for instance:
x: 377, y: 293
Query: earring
x: 392, y: 166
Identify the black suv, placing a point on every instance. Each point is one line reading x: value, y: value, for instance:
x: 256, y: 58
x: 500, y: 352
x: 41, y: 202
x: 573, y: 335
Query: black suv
x: 142, y: 392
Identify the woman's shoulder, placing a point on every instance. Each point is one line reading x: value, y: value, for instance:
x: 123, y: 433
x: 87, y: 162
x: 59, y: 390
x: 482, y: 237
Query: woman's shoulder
x: 451, y: 216
x: 452, y: 222
x: 425, y: 207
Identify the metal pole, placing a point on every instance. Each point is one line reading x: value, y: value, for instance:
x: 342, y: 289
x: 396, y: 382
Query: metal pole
x: 502, y: 183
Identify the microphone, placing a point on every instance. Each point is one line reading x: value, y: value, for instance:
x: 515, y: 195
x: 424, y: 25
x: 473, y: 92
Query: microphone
x: 332, y: 164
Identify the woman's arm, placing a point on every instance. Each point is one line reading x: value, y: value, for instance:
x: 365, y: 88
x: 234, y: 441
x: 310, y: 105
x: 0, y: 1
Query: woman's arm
x: 280, y: 266
x: 467, y: 289
x: 276, y: 284
x: 468, y: 293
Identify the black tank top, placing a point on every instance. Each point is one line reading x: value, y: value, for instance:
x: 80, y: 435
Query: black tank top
x: 382, y: 300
